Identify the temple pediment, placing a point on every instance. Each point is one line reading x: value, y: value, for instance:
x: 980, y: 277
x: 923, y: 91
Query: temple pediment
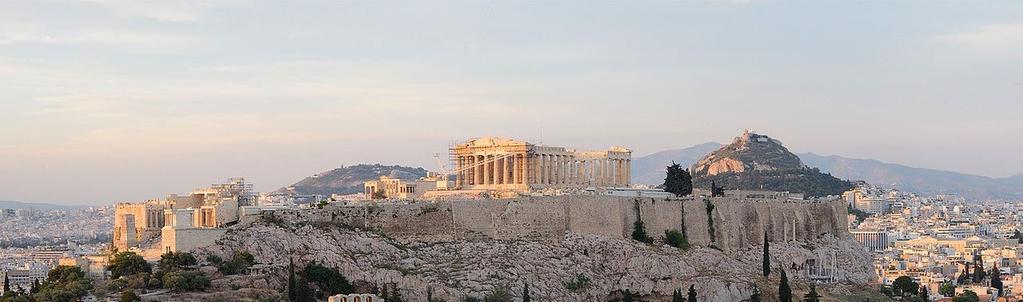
x: 492, y: 141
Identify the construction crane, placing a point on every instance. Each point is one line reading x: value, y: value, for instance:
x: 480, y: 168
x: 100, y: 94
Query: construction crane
x: 443, y: 167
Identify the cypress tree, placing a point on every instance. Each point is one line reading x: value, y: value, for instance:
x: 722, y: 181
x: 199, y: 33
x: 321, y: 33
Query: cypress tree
x: 396, y: 294
x: 978, y: 269
x: 639, y: 230
x: 812, y: 296
x: 996, y: 280
x: 755, y: 297
x: 784, y: 291
x: 7, y: 283
x: 924, y: 294
x: 292, y: 293
x: 525, y: 293
x: 966, y: 274
x: 767, y: 257
x: 627, y: 296
x: 676, y: 296
x: 692, y: 294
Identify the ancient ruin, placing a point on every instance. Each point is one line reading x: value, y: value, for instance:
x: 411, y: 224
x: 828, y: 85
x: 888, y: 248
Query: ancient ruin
x: 494, y: 163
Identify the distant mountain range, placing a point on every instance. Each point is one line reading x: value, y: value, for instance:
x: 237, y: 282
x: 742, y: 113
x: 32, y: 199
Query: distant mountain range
x: 350, y: 179
x: 38, y: 206
x: 650, y: 170
x: 918, y: 180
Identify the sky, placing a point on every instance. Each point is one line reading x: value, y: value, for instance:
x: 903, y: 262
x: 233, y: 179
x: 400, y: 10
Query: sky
x: 107, y: 101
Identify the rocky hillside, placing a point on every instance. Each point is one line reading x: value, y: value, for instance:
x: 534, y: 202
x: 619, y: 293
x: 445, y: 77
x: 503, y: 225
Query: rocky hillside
x: 577, y: 268
x: 650, y: 170
x: 349, y: 180
x: 754, y: 161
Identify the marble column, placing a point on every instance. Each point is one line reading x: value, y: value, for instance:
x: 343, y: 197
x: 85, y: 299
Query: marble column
x: 486, y: 169
x: 458, y: 167
x: 494, y: 167
x: 498, y: 170
x: 516, y: 162
x: 508, y: 168
x: 543, y: 169
x: 477, y: 171
x: 561, y: 169
x: 628, y: 172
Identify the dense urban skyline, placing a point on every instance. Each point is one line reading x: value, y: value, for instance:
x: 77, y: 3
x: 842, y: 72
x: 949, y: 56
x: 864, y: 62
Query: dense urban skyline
x: 114, y: 101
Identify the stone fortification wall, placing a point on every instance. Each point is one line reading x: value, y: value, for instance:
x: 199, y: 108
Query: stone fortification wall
x: 737, y: 223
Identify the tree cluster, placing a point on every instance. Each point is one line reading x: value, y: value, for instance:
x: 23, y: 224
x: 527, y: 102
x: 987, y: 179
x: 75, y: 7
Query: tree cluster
x: 239, y: 262
x: 176, y: 271
x: 809, y: 181
x: 63, y: 283
x: 318, y: 281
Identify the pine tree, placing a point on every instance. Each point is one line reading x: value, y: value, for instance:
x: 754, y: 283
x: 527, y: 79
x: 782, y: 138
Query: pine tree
x: 678, y: 181
x: 812, y: 296
x: 784, y: 291
x: 525, y: 293
x: 692, y: 294
x: 292, y: 293
x: 996, y: 280
x: 767, y: 257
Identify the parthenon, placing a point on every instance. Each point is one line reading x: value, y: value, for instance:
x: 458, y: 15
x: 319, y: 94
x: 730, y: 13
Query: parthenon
x: 493, y: 163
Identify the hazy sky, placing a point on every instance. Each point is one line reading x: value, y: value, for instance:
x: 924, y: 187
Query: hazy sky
x: 105, y: 101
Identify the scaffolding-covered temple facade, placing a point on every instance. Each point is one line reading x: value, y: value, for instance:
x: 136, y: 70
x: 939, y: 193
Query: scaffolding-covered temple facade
x: 493, y: 163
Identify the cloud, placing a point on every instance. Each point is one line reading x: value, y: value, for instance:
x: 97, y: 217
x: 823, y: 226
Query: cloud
x: 163, y: 11
x: 992, y: 39
x: 123, y: 39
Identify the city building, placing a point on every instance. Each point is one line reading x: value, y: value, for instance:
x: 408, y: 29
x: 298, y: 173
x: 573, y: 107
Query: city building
x: 138, y: 225
x: 392, y: 187
x: 873, y: 240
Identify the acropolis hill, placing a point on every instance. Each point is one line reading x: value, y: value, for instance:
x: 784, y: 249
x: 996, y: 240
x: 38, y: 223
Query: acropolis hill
x: 462, y: 248
x: 510, y: 213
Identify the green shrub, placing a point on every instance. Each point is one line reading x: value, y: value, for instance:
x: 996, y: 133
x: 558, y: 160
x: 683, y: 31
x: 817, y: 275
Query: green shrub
x: 581, y: 282
x: 329, y: 280
x: 186, y: 281
x: 241, y: 261
x: 676, y: 239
